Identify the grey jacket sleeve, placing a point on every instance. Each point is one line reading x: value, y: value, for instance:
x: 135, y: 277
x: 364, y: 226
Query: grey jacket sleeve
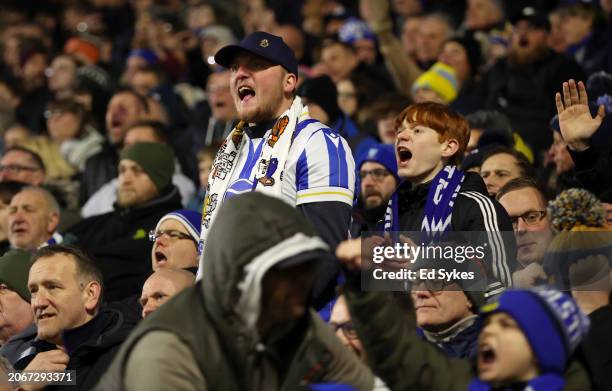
x: 396, y: 353
x: 160, y: 361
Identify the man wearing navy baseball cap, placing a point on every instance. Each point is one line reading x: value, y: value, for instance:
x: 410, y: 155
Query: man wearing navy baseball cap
x: 278, y: 149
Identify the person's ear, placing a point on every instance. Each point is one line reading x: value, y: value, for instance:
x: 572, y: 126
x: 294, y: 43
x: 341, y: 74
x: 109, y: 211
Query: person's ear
x: 91, y: 293
x: 54, y: 220
x: 449, y: 147
x: 289, y: 83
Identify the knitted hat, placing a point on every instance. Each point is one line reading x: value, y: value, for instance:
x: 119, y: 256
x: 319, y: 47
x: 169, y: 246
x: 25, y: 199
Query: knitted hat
x: 574, y: 207
x: 83, y: 47
x: 354, y: 29
x: 382, y: 154
x: 580, y: 218
x: 573, y: 246
x: 146, y: 54
x: 156, y: 159
x: 441, y: 79
x: 551, y: 321
x: 191, y: 221
x: 473, y: 51
x: 14, y: 271
x: 322, y: 91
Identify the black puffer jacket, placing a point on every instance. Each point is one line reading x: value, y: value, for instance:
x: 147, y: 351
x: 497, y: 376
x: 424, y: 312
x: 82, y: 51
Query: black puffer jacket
x: 473, y: 211
x: 119, y: 243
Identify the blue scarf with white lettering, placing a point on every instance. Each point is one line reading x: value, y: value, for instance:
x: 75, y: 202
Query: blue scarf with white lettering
x: 438, y: 208
x: 439, y: 205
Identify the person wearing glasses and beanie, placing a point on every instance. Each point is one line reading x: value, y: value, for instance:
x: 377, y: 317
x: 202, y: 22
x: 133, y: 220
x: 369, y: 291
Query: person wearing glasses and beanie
x: 175, y: 241
x: 119, y: 240
x: 377, y: 173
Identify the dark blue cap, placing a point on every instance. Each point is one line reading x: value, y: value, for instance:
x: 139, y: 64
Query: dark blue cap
x: 262, y: 44
x: 534, y: 16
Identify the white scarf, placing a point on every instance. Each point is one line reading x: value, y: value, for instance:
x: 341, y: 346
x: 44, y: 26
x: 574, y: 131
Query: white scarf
x: 270, y: 166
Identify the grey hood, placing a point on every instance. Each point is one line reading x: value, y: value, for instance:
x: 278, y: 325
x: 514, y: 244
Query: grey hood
x: 252, y: 233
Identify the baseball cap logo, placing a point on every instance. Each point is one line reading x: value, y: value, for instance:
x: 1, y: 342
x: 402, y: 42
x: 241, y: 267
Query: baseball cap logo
x: 264, y: 43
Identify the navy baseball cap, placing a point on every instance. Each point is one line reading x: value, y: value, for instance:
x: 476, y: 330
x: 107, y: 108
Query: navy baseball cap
x: 262, y: 44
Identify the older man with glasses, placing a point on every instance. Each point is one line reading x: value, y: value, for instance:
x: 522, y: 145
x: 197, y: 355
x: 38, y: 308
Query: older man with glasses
x: 526, y: 201
x: 447, y: 308
x: 22, y: 165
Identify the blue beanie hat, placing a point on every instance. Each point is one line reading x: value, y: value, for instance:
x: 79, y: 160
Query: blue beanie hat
x: 147, y: 54
x: 354, y: 29
x: 190, y: 219
x: 551, y: 321
x: 382, y: 154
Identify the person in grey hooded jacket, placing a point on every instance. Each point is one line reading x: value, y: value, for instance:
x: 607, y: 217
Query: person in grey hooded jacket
x: 246, y: 325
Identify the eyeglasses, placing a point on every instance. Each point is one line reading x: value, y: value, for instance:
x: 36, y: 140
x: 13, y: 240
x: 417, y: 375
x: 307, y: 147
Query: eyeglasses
x: 530, y: 218
x: 170, y: 234
x: 379, y: 174
x: 347, y: 329
x: 432, y: 285
x: 52, y: 113
x: 16, y: 168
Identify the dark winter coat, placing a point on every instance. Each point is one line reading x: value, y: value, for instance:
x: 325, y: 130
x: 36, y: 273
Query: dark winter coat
x: 119, y: 243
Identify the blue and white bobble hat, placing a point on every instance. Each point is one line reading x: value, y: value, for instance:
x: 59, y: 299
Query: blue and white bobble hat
x: 354, y: 29
x: 550, y: 319
x: 191, y: 221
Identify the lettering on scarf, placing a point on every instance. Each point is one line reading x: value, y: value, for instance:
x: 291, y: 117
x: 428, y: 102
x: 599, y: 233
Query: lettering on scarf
x: 210, y: 204
x: 223, y: 164
x: 440, y: 201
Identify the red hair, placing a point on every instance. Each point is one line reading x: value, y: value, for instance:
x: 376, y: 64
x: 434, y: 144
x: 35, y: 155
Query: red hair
x: 448, y: 124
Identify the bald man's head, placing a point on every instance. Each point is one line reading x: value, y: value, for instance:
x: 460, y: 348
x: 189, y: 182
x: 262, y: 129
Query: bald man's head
x: 161, y: 286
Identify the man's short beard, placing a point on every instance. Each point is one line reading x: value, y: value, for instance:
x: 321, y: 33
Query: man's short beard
x: 519, y: 58
x: 266, y: 112
x: 123, y: 201
x: 262, y: 114
x: 376, y: 213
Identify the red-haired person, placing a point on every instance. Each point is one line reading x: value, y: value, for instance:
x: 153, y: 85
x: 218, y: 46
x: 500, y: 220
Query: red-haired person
x: 435, y: 197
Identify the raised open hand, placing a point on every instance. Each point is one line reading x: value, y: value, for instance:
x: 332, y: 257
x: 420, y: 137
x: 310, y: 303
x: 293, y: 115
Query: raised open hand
x: 375, y: 13
x: 575, y: 120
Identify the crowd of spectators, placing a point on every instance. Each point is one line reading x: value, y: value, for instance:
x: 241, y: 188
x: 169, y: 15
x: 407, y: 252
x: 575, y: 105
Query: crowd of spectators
x: 120, y: 120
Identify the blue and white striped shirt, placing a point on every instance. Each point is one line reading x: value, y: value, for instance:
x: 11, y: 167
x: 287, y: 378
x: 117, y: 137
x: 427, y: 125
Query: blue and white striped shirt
x: 319, y: 167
